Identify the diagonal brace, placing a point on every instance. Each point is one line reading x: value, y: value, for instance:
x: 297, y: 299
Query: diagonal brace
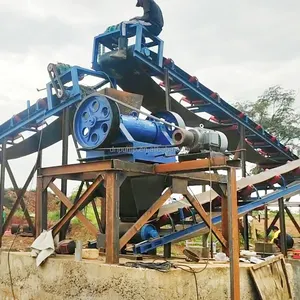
x: 18, y: 193
x: 69, y: 205
x: 198, y: 207
x: 81, y: 203
x: 144, y: 218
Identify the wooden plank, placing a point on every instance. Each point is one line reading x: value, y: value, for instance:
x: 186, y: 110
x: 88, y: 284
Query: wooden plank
x: 271, y: 279
x: 91, y: 228
x: 194, y: 202
x: 144, y: 218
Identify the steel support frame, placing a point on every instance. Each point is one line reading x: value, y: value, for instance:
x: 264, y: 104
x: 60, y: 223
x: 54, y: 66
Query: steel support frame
x: 113, y: 173
x: 65, y: 151
x: 19, y: 192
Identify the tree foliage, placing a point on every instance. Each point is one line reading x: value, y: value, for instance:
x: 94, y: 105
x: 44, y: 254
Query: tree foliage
x: 275, y: 111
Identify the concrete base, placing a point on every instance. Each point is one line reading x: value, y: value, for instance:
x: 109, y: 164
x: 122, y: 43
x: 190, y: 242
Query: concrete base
x: 295, y: 263
x: 62, y: 278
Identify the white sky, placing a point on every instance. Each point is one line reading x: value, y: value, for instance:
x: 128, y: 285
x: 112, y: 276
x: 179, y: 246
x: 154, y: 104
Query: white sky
x: 237, y: 48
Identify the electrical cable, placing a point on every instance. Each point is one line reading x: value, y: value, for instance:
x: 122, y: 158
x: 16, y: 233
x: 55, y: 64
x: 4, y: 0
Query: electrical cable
x: 8, y: 262
x: 165, y: 267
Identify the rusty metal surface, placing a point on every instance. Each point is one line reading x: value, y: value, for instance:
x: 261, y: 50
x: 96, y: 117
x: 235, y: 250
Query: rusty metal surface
x: 233, y: 236
x: 134, y: 100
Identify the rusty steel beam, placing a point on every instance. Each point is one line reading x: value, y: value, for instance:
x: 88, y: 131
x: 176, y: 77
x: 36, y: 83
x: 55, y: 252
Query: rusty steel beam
x: 77, y: 168
x: 62, y: 197
x: 71, y: 212
x: 112, y: 246
x: 224, y: 214
x: 201, y: 176
x: 233, y: 239
x: 17, y: 191
x: 214, y: 162
x: 145, y: 217
x: 38, y: 206
x: 198, y: 207
x: 109, y: 165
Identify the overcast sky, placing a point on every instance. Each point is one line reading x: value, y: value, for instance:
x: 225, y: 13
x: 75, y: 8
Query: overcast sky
x: 237, y: 48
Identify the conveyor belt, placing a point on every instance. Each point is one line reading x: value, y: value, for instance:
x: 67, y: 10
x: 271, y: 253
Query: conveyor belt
x: 133, y: 77
x: 241, y: 184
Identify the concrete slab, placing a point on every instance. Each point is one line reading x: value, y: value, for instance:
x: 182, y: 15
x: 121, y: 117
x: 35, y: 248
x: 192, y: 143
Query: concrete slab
x: 63, y: 278
x: 295, y: 263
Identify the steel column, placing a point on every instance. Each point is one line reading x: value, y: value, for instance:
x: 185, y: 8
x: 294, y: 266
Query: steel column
x: 244, y: 174
x: 112, y: 246
x: 283, y: 245
x: 65, y: 149
x: 168, y: 250
x: 38, y: 206
x: 266, y: 223
x: 44, y: 209
x: 2, y: 187
x: 234, y: 251
x: 167, y: 90
x: 225, y: 225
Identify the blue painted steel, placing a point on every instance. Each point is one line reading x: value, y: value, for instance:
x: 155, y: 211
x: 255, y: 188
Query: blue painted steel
x: 146, y: 246
x: 36, y: 114
x: 141, y: 130
x: 95, y: 122
x: 109, y: 39
x: 196, y: 89
x: 148, y: 231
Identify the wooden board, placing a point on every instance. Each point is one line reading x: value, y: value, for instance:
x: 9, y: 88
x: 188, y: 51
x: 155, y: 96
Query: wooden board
x: 271, y: 279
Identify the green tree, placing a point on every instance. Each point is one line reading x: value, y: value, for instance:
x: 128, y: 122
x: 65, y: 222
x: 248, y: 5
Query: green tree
x: 275, y: 111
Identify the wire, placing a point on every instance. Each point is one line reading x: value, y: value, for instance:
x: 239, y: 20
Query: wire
x: 8, y: 262
x: 165, y: 267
